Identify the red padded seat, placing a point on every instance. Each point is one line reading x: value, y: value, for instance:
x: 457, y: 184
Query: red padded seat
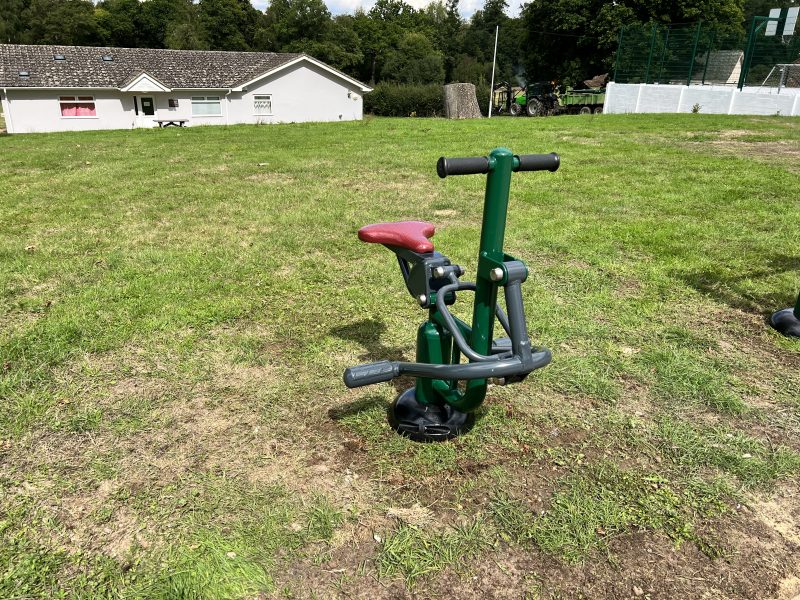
x: 412, y: 235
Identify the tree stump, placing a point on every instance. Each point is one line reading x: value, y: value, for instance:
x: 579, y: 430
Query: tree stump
x: 460, y: 101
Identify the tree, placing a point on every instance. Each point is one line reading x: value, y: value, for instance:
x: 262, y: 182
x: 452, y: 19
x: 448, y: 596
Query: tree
x: 760, y: 8
x: 414, y: 61
x: 453, y: 28
x: 119, y: 22
x: 306, y: 26
x: 185, y: 30
x: 11, y: 25
x: 67, y: 22
x: 442, y: 24
x: 290, y: 21
x: 160, y: 20
x: 229, y: 24
x: 468, y: 69
x: 382, y: 29
x: 480, y: 41
x: 343, y: 46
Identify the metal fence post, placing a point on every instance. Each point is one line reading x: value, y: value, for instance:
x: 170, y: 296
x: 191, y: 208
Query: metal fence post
x: 650, y: 56
x: 664, y: 51
x: 694, y: 53
x: 619, y: 51
x: 748, y: 52
x: 708, y: 54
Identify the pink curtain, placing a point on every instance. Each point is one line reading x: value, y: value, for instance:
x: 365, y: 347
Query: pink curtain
x: 86, y: 109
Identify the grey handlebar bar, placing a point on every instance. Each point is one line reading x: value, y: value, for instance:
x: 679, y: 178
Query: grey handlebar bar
x: 476, y: 165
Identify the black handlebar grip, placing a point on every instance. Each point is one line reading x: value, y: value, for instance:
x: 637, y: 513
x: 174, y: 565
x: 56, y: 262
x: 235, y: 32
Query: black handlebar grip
x: 462, y: 166
x: 372, y: 373
x: 539, y: 162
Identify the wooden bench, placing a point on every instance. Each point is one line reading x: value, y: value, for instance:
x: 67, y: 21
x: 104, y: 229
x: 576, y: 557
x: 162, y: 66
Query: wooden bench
x: 171, y: 122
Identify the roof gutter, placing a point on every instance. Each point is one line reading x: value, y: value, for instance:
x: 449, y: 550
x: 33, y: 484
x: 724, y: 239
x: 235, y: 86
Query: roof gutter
x: 61, y: 87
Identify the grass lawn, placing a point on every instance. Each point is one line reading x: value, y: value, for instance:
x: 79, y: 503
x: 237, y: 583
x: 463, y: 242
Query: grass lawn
x: 178, y: 306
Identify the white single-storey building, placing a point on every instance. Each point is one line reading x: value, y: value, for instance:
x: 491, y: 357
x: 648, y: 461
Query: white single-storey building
x: 77, y: 88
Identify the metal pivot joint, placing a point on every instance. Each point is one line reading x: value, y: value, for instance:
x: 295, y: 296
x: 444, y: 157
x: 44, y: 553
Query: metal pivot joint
x: 439, y: 406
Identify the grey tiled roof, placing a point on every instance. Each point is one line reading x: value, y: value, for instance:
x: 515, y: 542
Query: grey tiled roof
x: 84, y: 66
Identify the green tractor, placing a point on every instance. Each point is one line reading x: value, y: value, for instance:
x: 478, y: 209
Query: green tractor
x: 542, y: 99
x: 535, y: 100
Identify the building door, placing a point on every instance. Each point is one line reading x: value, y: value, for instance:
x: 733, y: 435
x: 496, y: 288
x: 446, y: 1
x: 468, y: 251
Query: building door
x: 148, y: 107
x: 145, y: 108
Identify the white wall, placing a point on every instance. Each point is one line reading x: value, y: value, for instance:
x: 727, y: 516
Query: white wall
x: 712, y: 99
x: 183, y: 110
x: 33, y: 111
x: 301, y: 93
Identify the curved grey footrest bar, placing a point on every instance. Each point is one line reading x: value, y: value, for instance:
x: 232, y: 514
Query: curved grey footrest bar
x: 371, y: 373
x: 386, y: 370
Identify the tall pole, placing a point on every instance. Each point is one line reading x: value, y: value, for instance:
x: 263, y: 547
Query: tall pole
x: 494, y: 60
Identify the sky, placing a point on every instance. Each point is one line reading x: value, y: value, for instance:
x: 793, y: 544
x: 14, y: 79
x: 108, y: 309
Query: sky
x: 340, y: 7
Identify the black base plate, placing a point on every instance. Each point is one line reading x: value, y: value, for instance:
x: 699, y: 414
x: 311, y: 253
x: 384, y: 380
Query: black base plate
x: 423, y: 423
x: 785, y: 322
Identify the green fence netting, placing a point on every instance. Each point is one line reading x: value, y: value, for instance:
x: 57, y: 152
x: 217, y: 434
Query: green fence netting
x: 697, y: 54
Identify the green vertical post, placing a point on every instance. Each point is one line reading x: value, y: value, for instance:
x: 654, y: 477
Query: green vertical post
x: 498, y: 186
x: 797, y: 308
x: 650, y: 55
x: 619, y: 51
x: 694, y: 53
x: 748, y: 52
x: 664, y: 54
x: 434, y: 345
x: 493, y: 230
x: 708, y: 53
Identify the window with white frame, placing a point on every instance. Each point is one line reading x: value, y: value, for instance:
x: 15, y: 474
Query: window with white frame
x: 77, y: 106
x: 203, y: 106
x: 262, y: 105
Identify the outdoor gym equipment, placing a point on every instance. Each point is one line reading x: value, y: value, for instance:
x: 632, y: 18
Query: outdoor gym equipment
x: 438, y: 408
x: 787, y: 321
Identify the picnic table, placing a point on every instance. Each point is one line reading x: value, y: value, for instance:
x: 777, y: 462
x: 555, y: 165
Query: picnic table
x: 171, y: 122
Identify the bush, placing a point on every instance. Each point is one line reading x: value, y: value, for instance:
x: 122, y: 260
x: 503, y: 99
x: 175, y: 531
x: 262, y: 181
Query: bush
x: 401, y: 100
x: 405, y: 100
x: 482, y: 92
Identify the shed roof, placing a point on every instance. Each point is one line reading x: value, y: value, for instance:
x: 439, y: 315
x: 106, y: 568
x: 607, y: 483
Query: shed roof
x: 84, y: 66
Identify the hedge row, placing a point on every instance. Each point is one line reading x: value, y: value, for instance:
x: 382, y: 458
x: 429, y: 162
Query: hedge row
x: 399, y: 100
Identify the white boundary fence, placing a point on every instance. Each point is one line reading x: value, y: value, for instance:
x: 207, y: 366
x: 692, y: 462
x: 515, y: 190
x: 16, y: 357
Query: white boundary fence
x: 624, y: 98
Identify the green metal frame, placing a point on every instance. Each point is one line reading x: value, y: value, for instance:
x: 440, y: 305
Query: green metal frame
x: 694, y: 53
x: 708, y: 54
x: 655, y: 41
x: 619, y: 51
x: 434, y: 343
x: 756, y: 26
x: 650, y: 55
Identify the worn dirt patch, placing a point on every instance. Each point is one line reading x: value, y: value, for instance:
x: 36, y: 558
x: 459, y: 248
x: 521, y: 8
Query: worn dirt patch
x: 778, y: 152
x: 105, y: 488
x: 732, y: 134
x: 782, y: 514
x: 757, y: 565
